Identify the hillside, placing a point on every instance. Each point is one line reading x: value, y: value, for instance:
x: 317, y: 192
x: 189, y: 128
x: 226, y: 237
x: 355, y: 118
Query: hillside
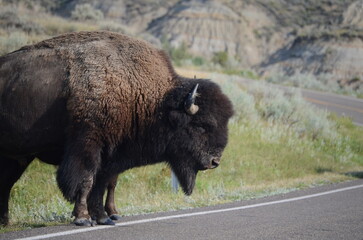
x: 320, y: 38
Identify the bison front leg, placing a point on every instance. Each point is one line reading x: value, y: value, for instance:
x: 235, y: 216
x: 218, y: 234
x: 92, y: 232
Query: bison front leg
x: 95, y: 200
x: 80, y: 211
x: 76, y: 174
x: 110, y: 206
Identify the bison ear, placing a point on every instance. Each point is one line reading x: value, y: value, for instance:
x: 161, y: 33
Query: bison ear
x: 178, y: 119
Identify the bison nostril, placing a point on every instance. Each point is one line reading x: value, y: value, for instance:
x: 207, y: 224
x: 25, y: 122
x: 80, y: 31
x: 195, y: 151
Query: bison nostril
x: 215, y: 162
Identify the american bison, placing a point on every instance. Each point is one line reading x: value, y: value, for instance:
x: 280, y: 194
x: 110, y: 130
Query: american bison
x: 97, y: 104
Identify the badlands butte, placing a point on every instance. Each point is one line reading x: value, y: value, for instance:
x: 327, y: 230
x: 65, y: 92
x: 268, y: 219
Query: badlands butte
x: 289, y: 37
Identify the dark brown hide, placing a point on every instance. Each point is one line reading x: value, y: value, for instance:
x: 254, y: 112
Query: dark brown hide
x: 101, y: 103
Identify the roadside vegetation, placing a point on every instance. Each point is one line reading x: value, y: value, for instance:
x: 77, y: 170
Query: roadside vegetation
x: 277, y: 141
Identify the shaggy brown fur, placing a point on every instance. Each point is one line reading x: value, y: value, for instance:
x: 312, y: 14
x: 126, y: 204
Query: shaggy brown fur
x: 107, y: 65
x: 97, y: 104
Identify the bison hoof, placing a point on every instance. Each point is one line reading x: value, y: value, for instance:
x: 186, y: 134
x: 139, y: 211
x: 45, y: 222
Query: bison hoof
x: 83, y: 222
x: 115, y: 217
x: 105, y: 221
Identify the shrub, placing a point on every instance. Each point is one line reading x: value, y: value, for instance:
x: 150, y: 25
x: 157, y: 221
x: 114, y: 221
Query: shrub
x: 220, y: 58
x: 198, y: 61
x: 11, y: 21
x: 13, y: 42
x: 84, y: 12
x: 243, y: 102
x: 180, y: 53
x: 256, y: 102
x: 290, y: 109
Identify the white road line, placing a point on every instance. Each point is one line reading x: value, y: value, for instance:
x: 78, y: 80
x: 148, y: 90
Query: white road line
x: 148, y: 220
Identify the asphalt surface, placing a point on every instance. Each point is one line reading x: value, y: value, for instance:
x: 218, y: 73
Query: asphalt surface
x: 342, y: 105
x: 325, y: 212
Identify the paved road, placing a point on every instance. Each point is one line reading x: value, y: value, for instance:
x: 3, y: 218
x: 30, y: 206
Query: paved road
x: 343, y: 105
x: 340, y: 104
x: 326, y: 212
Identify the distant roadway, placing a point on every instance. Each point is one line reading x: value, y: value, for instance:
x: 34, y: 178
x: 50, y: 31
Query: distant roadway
x: 343, y: 105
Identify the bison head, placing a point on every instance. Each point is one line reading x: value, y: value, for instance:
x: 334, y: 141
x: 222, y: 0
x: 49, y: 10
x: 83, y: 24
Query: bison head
x: 198, y: 116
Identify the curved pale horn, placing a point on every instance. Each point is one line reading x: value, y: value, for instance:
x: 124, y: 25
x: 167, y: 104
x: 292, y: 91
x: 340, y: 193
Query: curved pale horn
x: 189, y: 105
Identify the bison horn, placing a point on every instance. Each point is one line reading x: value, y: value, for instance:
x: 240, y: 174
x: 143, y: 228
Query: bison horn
x: 189, y: 105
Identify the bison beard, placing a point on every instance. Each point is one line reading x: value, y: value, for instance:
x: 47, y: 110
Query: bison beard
x: 97, y: 104
x: 186, y: 177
